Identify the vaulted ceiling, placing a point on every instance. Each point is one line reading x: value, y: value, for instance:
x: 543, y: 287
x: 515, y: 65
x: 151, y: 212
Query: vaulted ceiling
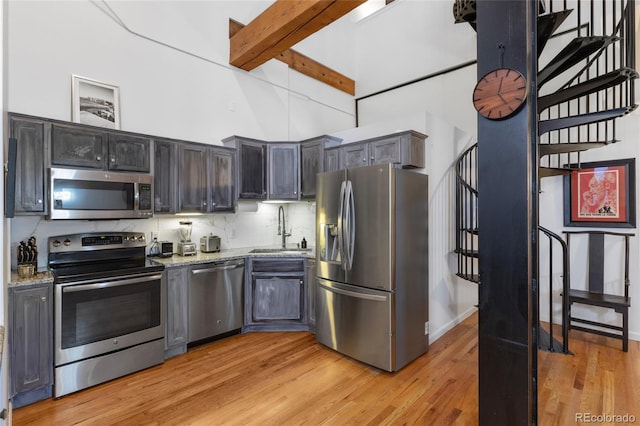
x: 283, y: 24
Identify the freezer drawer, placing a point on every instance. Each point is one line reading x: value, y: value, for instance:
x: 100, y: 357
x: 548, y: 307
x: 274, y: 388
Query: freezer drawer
x: 215, y: 299
x: 356, y: 322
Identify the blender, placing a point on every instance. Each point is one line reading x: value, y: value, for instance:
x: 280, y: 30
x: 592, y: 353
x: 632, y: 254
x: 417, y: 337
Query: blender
x: 186, y: 247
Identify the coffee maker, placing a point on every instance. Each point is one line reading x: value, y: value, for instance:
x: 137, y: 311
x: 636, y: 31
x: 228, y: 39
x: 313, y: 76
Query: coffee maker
x: 186, y: 247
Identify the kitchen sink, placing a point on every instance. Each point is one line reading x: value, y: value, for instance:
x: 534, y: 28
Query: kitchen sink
x: 279, y: 250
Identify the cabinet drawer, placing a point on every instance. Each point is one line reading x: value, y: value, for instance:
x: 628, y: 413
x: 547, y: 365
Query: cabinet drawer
x: 274, y: 265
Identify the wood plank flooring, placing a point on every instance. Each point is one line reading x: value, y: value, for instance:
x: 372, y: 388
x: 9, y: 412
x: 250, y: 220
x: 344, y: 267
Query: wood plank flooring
x: 289, y: 379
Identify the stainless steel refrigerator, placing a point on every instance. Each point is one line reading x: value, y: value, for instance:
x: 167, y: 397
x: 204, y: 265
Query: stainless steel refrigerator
x: 372, y: 287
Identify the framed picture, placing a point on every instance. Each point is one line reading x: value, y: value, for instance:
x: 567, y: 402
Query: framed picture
x: 95, y: 103
x: 601, y: 194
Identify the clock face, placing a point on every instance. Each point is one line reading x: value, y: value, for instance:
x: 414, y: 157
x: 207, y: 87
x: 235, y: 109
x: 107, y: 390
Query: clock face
x: 500, y: 93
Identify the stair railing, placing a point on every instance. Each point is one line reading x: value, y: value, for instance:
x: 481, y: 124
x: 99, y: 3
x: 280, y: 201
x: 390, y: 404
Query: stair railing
x: 565, y: 289
x: 588, y: 19
x: 467, y: 214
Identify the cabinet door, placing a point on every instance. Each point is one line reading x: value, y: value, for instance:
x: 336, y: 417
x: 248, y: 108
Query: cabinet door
x: 31, y: 338
x: 177, y: 321
x: 165, y: 177
x: 223, y: 187
x: 332, y: 160
x: 386, y: 151
x: 355, y: 155
x: 129, y: 153
x: 277, y: 297
x: 310, y: 284
x: 283, y: 172
x: 311, y: 163
x: 30, y: 177
x: 193, y: 178
x: 77, y: 147
x: 252, y: 171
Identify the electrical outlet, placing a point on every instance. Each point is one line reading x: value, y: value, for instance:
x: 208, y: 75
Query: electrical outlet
x: 154, y: 235
x: 426, y: 328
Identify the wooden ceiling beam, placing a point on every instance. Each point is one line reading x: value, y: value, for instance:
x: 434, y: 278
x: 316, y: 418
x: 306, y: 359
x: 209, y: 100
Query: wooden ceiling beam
x: 307, y: 66
x: 280, y: 26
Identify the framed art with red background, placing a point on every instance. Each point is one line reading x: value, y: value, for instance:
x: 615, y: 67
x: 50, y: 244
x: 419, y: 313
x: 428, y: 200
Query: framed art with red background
x: 601, y: 194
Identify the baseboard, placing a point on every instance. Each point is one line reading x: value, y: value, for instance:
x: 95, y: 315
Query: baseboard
x: 436, y: 334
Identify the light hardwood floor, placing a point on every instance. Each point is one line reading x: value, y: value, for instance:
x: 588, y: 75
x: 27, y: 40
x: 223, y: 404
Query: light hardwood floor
x: 289, y: 379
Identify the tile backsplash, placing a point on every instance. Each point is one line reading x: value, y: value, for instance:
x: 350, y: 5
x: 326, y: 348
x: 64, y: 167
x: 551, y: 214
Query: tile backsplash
x: 253, y: 228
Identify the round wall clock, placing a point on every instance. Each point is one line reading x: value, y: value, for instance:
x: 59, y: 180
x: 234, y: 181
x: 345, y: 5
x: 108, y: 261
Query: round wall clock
x: 500, y: 93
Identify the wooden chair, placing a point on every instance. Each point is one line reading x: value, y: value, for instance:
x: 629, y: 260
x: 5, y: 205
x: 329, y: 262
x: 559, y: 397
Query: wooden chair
x: 595, y: 295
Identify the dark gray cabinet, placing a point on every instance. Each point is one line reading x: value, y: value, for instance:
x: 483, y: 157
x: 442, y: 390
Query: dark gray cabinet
x: 310, y: 284
x: 193, y: 178
x: 30, y: 343
x: 251, y: 173
x: 129, y: 153
x: 354, y: 155
x: 177, y: 314
x: 165, y: 176
x: 207, y: 179
x: 30, y: 186
x: 283, y: 171
x: 222, y: 180
x: 312, y: 162
x: 75, y: 146
x: 332, y: 160
x: 82, y: 146
x: 405, y: 149
x: 275, y: 294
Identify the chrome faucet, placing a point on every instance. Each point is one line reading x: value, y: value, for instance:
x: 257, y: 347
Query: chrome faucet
x: 282, y: 230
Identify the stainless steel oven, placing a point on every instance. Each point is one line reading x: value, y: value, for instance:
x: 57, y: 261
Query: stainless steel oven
x: 108, y: 308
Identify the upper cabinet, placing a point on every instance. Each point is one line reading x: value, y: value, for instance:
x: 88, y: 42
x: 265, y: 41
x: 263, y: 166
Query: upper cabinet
x: 30, y: 187
x: 165, y: 176
x: 206, y: 179
x: 283, y: 171
x: 312, y: 162
x: 223, y: 176
x: 405, y: 149
x: 81, y: 146
x: 129, y: 153
x: 251, y: 180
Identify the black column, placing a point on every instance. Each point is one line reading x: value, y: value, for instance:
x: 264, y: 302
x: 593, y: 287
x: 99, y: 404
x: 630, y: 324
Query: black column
x: 508, y: 217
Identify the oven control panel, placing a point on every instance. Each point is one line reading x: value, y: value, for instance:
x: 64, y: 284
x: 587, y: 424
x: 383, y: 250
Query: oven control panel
x: 96, y: 241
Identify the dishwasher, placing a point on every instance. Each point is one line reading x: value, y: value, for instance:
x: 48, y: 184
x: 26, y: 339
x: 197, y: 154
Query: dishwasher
x: 215, y: 299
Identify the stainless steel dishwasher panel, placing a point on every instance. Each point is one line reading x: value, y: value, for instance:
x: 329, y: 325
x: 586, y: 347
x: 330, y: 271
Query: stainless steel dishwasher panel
x: 215, y: 299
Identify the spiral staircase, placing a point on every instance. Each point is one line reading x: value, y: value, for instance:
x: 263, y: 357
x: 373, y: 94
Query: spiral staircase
x: 582, y: 91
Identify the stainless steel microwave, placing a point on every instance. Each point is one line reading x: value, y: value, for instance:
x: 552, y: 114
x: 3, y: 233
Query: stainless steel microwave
x: 95, y: 194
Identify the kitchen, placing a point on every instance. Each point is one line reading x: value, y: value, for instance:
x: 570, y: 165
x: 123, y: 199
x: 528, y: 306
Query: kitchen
x: 209, y: 102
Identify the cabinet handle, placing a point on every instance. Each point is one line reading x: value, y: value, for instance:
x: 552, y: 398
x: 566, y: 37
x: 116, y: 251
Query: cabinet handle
x: 113, y: 159
x: 43, y: 298
x: 98, y: 158
x: 39, y: 201
x: 364, y: 160
x: 372, y: 158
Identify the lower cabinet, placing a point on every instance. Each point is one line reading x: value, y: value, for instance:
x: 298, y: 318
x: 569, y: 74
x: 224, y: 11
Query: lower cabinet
x: 276, y: 295
x: 310, y: 283
x: 177, y: 311
x: 30, y: 343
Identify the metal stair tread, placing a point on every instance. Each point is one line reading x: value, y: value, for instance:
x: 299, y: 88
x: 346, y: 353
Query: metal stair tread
x: 467, y: 252
x: 470, y: 277
x: 545, y: 126
x: 578, y: 49
x: 564, y: 148
x: 548, y: 24
x: 553, y: 171
x: 593, y: 85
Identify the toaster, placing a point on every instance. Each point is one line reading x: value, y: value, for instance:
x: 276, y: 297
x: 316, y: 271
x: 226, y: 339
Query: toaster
x: 166, y: 249
x: 210, y: 244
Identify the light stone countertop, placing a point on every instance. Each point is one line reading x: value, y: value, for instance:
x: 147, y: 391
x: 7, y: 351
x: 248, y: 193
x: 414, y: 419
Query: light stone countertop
x: 240, y: 253
x: 45, y: 277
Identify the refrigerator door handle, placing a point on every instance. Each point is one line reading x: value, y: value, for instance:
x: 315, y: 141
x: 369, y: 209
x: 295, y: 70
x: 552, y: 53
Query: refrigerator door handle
x: 355, y: 294
x: 341, y: 226
x: 351, y: 224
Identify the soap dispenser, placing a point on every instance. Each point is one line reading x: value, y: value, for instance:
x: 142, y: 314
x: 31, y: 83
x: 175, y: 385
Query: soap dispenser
x: 303, y: 243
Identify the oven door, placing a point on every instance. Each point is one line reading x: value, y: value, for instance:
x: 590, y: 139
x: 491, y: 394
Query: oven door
x: 99, y: 316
